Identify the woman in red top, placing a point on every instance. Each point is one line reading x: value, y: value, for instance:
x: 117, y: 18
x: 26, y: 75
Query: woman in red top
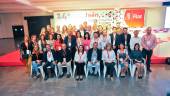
x: 58, y: 43
x: 86, y: 42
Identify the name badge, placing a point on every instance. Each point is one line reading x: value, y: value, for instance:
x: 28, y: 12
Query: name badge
x: 69, y: 44
x: 114, y: 42
x: 27, y: 51
x: 64, y: 59
x: 121, y: 59
x: 59, y: 48
x: 87, y: 47
x: 125, y: 43
x: 44, y: 49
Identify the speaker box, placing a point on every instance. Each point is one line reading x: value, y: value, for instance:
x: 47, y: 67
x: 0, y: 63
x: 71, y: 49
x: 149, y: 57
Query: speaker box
x: 167, y: 60
x: 165, y: 3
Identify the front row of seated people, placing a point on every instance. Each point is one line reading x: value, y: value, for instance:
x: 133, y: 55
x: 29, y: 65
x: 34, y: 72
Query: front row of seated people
x: 93, y: 58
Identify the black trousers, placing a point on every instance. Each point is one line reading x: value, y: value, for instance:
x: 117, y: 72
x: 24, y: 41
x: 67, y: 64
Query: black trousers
x: 147, y: 55
x: 79, y: 68
x: 110, y: 68
x: 47, y: 65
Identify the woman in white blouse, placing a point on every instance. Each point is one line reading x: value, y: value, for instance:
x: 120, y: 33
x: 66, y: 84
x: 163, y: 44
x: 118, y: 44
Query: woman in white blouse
x: 50, y: 41
x: 109, y: 59
x: 80, y: 60
x: 104, y: 39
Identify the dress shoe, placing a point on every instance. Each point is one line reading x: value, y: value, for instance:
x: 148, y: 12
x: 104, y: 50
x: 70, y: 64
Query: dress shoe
x: 60, y: 76
x: 149, y: 70
x: 68, y: 76
x: 46, y: 78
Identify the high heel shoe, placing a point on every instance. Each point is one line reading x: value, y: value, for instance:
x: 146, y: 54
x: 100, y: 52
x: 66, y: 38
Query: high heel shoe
x: 77, y: 78
x: 81, y: 78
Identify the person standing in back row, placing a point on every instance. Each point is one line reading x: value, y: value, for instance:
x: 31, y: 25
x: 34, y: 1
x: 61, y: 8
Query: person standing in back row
x: 126, y: 39
x: 148, y: 43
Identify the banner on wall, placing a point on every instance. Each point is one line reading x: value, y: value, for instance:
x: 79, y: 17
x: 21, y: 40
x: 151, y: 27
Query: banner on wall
x: 126, y: 17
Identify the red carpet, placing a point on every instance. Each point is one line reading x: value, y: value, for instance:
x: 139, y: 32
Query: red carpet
x: 158, y: 60
x: 11, y: 59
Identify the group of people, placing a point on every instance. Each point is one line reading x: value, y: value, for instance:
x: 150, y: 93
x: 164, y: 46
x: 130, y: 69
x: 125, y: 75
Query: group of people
x: 87, y: 46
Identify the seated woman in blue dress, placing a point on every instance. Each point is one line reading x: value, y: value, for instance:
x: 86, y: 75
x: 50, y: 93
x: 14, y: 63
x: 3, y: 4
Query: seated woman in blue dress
x: 36, y: 61
x: 123, y: 59
x: 137, y: 57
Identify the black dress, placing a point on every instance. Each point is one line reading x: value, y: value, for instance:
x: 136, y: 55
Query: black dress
x: 137, y: 55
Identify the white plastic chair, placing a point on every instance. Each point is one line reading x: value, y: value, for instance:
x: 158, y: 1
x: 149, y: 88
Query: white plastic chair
x: 74, y: 70
x: 105, y: 69
x: 134, y: 68
x: 93, y: 67
x: 42, y: 70
x: 64, y: 66
x: 119, y: 68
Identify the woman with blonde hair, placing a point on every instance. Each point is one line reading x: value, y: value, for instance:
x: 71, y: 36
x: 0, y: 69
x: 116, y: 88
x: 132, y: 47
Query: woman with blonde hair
x: 44, y: 32
x: 26, y: 49
x: 42, y: 43
x: 123, y: 59
x: 109, y: 59
x: 36, y: 61
x: 64, y: 31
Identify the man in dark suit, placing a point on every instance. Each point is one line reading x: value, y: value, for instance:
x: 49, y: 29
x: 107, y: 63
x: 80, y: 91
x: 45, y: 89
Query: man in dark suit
x: 126, y: 39
x: 94, y: 57
x: 64, y: 59
x: 49, y: 58
x: 116, y: 39
x: 71, y: 43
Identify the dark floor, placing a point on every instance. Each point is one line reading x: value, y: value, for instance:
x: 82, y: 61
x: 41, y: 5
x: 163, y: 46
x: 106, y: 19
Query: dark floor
x: 15, y: 82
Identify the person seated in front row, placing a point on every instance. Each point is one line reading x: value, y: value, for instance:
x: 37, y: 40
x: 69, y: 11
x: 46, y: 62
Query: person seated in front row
x: 122, y: 57
x: 109, y: 59
x: 64, y: 60
x: 49, y: 58
x: 80, y: 60
x: 137, y: 56
x: 94, y: 58
x: 36, y: 61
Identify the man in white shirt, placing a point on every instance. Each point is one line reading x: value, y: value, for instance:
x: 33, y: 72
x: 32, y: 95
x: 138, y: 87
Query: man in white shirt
x: 94, y: 58
x: 95, y: 39
x: 135, y: 39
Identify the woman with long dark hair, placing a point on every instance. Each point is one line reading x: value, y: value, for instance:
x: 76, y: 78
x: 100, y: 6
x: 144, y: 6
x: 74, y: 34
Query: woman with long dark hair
x: 137, y: 57
x: 80, y: 59
x: 58, y: 43
x: 79, y: 39
x: 86, y: 42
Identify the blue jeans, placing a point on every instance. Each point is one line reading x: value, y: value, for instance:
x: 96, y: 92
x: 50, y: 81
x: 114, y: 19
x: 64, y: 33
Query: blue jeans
x: 35, y: 66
